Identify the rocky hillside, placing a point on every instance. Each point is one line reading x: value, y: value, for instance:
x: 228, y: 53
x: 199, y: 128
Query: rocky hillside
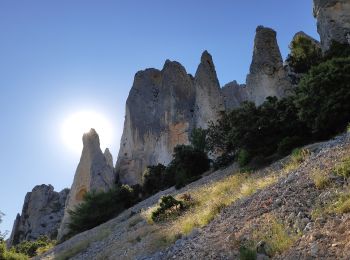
x: 281, y: 211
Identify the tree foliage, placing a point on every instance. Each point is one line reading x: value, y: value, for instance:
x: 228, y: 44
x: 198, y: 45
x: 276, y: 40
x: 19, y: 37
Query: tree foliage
x: 305, y: 53
x: 323, y: 96
x: 98, y: 207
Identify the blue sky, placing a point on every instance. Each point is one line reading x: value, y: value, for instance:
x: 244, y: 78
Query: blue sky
x: 60, y: 57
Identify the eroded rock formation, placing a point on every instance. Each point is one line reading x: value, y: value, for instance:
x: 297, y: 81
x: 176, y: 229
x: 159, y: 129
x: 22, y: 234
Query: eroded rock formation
x: 333, y: 21
x: 267, y: 75
x: 234, y: 94
x: 162, y: 109
x: 94, y: 173
x: 42, y: 213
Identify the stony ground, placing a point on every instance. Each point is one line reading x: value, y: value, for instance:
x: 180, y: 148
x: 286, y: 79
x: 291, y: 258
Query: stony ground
x: 291, y: 200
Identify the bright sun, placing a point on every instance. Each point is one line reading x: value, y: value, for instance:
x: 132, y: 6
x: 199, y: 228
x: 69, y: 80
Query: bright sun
x: 81, y: 122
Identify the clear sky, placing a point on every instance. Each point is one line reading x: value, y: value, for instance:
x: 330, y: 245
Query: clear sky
x: 60, y: 57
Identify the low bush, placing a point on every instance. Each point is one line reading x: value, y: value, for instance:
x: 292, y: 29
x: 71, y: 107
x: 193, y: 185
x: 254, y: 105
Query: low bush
x: 343, y: 168
x: 320, y: 178
x: 168, y: 207
x: 6, y: 254
x: 223, y: 161
x: 154, y: 179
x: 36, y: 247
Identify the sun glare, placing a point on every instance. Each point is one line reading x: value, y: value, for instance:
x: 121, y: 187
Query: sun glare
x: 81, y: 122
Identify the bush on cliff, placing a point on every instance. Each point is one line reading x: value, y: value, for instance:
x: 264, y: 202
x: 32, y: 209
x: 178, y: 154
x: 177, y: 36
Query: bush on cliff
x: 304, y: 54
x: 153, y: 179
x: 36, y: 247
x: 98, y: 207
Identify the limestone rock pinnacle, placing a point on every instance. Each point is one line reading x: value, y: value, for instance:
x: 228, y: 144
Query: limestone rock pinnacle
x: 94, y: 172
x: 267, y: 75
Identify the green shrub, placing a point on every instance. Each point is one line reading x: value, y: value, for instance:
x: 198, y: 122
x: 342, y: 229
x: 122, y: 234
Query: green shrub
x: 322, y: 97
x: 288, y: 144
x: 223, y: 161
x: 198, y: 139
x: 343, y: 168
x: 32, y: 248
x: 187, y: 165
x: 153, y: 179
x: 10, y: 254
x: 98, y: 207
x: 247, y: 253
x: 168, y: 207
x: 243, y: 158
x: 337, y: 50
x: 305, y: 53
x: 257, y: 130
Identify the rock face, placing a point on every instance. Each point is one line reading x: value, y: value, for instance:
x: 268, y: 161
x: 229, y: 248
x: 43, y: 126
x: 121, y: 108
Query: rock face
x: 94, y: 172
x: 41, y: 214
x: 209, y: 101
x: 234, y: 94
x: 267, y: 75
x: 333, y: 21
x: 162, y: 108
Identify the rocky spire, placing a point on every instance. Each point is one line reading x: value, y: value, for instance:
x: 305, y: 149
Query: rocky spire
x: 94, y: 172
x: 41, y: 214
x: 267, y: 75
x: 209, y: 101
x: 333, y: 21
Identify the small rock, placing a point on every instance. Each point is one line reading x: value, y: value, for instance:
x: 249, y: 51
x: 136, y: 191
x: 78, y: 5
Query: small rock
x: 314, y: 249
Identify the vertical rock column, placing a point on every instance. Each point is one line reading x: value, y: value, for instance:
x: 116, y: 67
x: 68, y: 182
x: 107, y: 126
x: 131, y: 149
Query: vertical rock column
x: 267, y: 75
x: 94, y: 172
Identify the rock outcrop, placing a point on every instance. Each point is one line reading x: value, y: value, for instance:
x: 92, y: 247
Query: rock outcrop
x: 234, y: 95
x: 94, y: 173
x: 42, y: 213
x: 267, y: 75
x: 209, y: 101
x: 162, y: 108
x: 333, y: 21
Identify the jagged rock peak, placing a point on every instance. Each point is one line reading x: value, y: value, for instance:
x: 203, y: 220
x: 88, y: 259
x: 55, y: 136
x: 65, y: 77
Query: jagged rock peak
x: 42, y: 213
x: 91, y: 138
x: 267, y: 75
x: 209, y: 101
x: 94, y: 172
x: 109, y: 157
x: 333, y: 21
x: 234, y: 95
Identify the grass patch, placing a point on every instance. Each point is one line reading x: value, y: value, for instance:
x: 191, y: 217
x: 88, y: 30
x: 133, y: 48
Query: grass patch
x: 343, y: 168
x: 320, y: 178
x: 342, y: 203
x: 210, y: 199
x: 297, y: 157
x: 275, y: 234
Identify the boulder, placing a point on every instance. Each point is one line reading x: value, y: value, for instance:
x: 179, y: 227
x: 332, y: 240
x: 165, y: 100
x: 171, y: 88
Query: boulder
x: 333, y: 21
x: 94, y: 173
x: 42, y: 213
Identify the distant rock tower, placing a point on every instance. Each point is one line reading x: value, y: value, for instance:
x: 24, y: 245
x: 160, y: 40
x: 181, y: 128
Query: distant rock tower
x: 94, y: 172
x: 333, y: 21
x: 42, y: 213
x: 267, y: 75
